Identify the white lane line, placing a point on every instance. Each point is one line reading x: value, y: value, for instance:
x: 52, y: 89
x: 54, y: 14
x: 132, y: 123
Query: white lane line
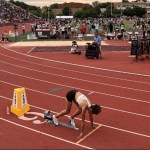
x: 127, y: 131
x: 74, y: 87
x: 43, y: 133
x: 128, y: 112
x: 86, y: 73
x: 121, y: 97
x: 105, y: 84
x: 84, y: 138
x: 26, y: 118
x: 123, y: 111
x: 84, y: 66
x: 123, y: 130
x: 31, y: 50
x: 91, y: 93
x: 64, y: 98
x: 111, y: 127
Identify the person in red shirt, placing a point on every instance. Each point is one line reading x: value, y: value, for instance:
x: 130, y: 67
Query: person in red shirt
x: 83, y: 30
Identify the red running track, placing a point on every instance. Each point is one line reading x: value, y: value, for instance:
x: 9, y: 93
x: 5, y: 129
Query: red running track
x: 121, y: 88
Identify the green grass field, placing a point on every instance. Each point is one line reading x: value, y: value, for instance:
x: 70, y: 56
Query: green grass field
x: 128, y: 25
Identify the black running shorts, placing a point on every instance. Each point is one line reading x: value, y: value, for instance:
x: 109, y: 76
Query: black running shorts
x: 71, y: 95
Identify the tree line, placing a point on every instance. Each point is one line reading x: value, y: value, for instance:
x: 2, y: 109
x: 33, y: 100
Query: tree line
x: 92, y: 11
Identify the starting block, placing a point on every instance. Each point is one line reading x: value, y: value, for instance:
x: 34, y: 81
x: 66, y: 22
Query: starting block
x: 49, y: 119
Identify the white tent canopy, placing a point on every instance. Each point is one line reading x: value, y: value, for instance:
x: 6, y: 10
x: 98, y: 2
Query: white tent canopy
x: 63, y: 17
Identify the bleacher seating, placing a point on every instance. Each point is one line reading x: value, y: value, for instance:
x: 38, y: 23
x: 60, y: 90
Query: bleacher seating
x: 10, y: 13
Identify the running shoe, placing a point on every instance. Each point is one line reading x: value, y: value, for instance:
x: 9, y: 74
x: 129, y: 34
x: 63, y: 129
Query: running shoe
x: 55, y: 120
x: 72, y: 121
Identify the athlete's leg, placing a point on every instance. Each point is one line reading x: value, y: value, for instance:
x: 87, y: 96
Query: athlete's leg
x: 77, y: 112
x: 66, y: 110
x: 63, y: 112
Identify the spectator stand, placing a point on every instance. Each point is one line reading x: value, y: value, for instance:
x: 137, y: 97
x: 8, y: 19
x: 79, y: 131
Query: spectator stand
x: 11, y: 13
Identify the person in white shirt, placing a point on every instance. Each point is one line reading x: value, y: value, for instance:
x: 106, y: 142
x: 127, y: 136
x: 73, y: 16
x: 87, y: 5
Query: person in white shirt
x: 96, y: 27
x: 74, y: 48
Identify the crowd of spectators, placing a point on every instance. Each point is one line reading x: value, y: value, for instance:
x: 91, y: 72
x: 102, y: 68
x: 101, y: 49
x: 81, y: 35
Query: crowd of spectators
x: 10, y: 13
x: 73, y: 27
x: 119, y: 27
x: 69, y: 27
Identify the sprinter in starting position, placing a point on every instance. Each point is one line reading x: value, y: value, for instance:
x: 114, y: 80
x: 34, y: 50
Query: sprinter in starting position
x: 84, y: 105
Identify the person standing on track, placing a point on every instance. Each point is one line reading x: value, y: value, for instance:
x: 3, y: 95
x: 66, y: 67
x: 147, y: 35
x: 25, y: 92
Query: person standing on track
x: 97, y: 40
x: 83, y: 104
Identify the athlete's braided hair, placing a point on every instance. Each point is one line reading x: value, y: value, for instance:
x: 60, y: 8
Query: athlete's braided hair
x: 96, y: 109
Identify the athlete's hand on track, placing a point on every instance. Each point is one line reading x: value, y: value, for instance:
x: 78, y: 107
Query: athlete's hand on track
x: 92, y: 127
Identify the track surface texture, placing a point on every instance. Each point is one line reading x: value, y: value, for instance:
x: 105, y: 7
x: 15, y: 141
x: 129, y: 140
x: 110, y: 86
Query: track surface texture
x: 122, y: 89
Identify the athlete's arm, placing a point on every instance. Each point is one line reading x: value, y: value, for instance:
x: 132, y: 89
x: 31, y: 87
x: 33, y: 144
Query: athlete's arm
x: 91, y: 120
x: 83, y: 122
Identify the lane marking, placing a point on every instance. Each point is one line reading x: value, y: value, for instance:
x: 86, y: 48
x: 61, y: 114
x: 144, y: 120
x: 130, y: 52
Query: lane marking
x: 107, y: 126
x: 39, y: 122
x: 26, y: 118
x: 91, y: 93
x: 97, y: 75
x: 31, y: 50
x: 123, y: 130
x: 104, y: 84
x: 43, y: 133
x: 94, y: 82
x: 84, y: 66
x: 31, y: 118
x: 64, y: 98
x: 128, y: 112
x: 88, y: 134
x: 37, y: 114
x: 132, y: 99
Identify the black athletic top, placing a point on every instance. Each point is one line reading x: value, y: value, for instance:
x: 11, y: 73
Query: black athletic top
x: 71, y: 95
